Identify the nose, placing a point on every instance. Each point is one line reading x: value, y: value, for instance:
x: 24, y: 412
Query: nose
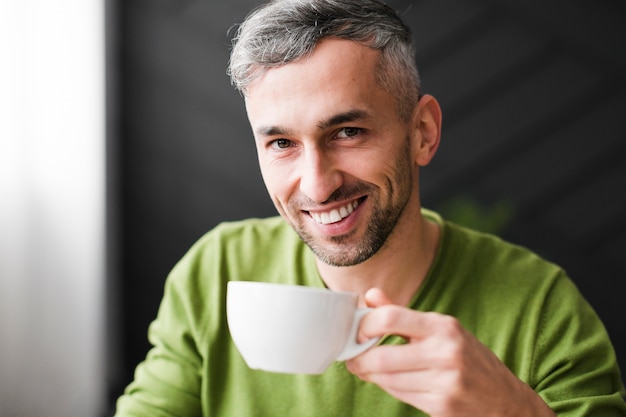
x: 319, y: 175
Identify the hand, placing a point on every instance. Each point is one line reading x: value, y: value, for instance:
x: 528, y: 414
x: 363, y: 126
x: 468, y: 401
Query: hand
x: 443, y: 369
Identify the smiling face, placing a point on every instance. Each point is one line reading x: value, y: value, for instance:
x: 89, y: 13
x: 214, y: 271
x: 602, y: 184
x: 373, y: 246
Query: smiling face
x: 337, y: 160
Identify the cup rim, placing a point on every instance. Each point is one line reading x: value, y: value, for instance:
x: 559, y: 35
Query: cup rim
x: 287, y: 287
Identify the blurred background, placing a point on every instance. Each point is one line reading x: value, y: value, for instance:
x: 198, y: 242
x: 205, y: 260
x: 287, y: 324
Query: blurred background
x: 125, y: 142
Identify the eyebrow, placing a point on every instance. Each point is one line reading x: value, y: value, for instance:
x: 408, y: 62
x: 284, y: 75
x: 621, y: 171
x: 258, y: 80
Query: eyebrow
x: 273, y: 131
x: 346, y: 117
x: 337, y: 119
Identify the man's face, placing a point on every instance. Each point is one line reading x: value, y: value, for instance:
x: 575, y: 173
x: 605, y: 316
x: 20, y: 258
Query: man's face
x: 334, y: 154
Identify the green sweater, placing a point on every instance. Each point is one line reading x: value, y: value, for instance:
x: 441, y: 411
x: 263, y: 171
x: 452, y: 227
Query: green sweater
x: 526, y: 310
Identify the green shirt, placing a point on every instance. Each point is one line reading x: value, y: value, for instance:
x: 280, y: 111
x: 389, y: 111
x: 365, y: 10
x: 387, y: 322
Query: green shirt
x: 526, y: 310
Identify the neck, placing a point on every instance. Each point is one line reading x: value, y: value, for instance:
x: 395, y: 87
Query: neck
x: 398, y: 268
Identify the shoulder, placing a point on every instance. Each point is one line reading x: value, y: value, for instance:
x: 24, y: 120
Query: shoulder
x: 488, y: 254
x: 249, y: 249
x: 232, y: 250
x: 243, y: 241
x: 245, y: 236
x: 486, y: 275
x: 255, y: 229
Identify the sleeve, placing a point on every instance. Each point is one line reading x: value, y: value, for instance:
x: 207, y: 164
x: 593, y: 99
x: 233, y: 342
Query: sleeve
x: 168, y: 381
x: 576, y: 369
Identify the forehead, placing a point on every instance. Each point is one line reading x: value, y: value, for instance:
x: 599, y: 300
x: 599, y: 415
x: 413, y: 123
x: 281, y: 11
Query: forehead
x: 339, y: 76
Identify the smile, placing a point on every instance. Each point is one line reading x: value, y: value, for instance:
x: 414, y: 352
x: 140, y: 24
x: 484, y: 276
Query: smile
x: 335, y: 215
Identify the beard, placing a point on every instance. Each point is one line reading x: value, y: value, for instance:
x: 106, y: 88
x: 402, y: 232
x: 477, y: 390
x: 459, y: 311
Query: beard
x: 349, y: 249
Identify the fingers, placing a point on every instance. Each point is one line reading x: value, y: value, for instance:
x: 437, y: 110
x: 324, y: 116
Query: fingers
x: 442, y: 369
x: 404, y: 322
x: 388, y: 359
x: 409, y: 381
x: 433, y: 340
x: 375, y: 297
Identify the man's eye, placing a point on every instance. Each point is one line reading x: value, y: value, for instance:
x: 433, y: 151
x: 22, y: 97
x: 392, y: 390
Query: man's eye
x: 348, y: 132
x: 280, y: 143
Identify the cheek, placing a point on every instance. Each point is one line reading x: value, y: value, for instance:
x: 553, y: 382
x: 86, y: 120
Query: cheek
x: 375, y: 166
x: 277, y: 181
x: 275, y: 190
x: 397, y: 167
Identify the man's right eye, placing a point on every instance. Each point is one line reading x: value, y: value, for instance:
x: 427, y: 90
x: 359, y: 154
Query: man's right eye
x: 280, y: 143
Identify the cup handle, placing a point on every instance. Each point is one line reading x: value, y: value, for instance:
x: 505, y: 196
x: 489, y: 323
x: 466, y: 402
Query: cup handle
x: 353, y: 348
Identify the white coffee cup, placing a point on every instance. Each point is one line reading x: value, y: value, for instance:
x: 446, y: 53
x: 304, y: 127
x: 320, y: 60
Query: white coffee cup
x: 293, y: 329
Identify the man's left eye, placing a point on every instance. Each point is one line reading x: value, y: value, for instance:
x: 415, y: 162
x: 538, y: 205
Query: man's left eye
x: 348, y: 132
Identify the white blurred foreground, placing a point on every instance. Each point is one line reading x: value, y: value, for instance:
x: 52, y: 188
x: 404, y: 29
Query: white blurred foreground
x: 52, y: 208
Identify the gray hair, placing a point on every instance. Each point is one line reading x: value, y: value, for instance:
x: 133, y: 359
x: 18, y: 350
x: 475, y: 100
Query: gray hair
x: 283, y: 31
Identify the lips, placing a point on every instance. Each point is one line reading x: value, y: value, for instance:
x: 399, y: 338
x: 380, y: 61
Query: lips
x: 334, y: 215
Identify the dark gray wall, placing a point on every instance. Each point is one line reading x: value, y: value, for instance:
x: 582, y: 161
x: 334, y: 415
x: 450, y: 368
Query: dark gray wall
x: 534, y: 100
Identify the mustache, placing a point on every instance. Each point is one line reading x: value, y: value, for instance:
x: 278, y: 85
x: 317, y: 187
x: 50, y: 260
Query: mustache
x: 345, y: 192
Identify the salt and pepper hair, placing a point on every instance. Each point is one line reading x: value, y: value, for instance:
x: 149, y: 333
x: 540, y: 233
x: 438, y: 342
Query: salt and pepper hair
x: 284, y: 31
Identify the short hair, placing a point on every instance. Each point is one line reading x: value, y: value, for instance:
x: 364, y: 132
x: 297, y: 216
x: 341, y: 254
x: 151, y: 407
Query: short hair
x: 283, y: 31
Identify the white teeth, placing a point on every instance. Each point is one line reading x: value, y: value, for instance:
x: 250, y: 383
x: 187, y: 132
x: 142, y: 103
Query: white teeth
x: 334, y: 215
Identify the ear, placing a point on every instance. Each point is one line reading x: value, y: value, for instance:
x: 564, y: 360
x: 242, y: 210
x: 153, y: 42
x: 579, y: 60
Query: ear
x: 426, y: 129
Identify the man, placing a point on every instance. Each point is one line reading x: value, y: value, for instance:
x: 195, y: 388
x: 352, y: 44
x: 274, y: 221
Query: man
x: 471, y: 325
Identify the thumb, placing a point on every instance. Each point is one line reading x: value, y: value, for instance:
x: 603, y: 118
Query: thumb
x: 375, y: 297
